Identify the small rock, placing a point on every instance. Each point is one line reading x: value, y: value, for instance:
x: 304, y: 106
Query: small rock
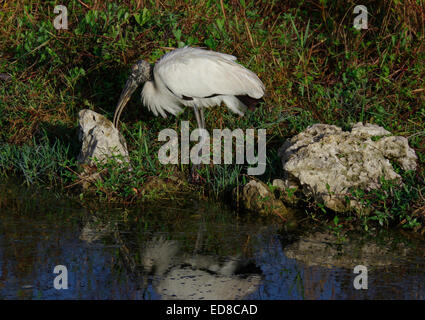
x: 256, y: 196
x: 289, y: 191
x: 101, y: 140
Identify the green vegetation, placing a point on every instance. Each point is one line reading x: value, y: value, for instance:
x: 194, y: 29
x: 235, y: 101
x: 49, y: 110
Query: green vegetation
x: 36, y: 162
x: 315, y: 65
x: 392, y: 203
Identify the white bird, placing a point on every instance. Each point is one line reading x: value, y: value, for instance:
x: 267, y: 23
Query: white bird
x: 195, y: 78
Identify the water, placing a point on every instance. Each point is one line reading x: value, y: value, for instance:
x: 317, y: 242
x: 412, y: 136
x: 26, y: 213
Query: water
x: 189, y: 250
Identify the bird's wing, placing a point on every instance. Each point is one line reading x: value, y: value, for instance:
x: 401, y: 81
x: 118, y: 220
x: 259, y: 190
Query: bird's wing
x: 197, y: 73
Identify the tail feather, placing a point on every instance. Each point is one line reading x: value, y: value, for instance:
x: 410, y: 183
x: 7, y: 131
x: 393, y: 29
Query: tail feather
x: 250, y: 102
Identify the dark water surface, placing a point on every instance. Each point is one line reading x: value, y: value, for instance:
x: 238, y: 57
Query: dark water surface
x: 189, y: 250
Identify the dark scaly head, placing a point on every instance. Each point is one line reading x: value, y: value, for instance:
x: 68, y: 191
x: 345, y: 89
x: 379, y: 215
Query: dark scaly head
x: 141, y: 72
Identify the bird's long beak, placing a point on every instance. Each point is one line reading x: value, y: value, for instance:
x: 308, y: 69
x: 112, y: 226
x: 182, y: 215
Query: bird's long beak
x: 128, y: 90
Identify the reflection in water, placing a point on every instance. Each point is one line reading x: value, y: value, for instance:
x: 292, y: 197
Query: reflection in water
x: 320, y: 265
x: 325, y: 249
x: 189, y: 251
x: 196, y: 276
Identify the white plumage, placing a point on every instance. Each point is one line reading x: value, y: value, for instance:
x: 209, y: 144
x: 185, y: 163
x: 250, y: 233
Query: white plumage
x: 199, y: 74
x: 195, y: 78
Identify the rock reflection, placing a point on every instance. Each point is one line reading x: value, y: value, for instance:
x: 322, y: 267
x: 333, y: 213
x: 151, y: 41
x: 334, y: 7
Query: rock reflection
x: 325, y: 249
x: 95, y: 229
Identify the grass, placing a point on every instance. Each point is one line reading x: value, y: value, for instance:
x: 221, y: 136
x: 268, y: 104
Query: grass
x: 316, y: 67
x: 36, y: 163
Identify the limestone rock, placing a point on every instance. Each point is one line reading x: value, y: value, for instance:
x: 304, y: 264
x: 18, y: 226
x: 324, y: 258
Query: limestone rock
x: 289, y: 191
x: 256, y: 196
x: 327, y: 162
x: 100, y: 139
x: 368, y: 130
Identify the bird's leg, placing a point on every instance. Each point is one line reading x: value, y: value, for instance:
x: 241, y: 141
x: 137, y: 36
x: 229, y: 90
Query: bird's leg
x: 198, y: 118
x: 201, y: 110
x: 201, y: 229
x: 202, y: 126
x: 195, y: 167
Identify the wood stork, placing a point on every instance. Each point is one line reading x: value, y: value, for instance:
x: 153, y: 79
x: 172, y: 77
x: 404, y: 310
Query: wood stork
x: 195, y: 78
x: 192, y: 77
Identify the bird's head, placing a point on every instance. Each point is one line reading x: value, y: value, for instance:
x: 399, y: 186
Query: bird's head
x: 141, y: 72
